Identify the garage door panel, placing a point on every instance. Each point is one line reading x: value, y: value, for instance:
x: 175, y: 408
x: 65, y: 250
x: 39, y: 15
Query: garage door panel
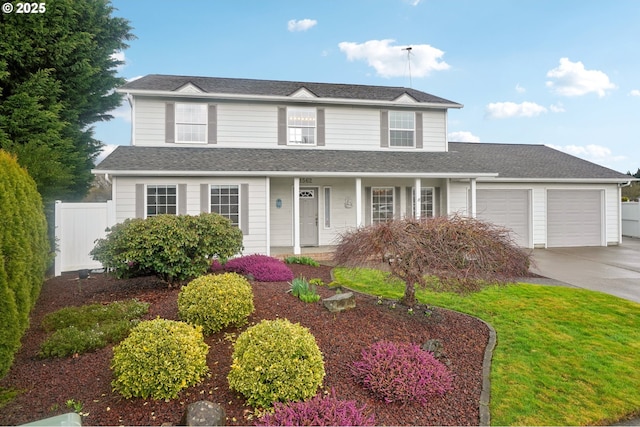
x: 574, y: 218
x: 506, y: 208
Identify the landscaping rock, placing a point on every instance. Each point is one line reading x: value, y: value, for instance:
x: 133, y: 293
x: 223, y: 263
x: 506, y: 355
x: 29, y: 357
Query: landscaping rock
x: 203, y: 413
x: 434, y: 346
x: 340, y: 302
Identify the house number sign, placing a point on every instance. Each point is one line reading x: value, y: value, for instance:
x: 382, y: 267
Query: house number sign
x: 306, y: 180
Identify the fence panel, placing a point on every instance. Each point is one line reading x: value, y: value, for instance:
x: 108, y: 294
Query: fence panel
x: 631, y: 219
x: 77, y: 226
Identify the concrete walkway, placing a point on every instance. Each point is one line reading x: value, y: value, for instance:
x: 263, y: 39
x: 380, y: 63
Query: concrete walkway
x: 614, y: 269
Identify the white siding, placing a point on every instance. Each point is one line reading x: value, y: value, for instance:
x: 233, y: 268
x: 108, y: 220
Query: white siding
x: 352, y: 128
x: 247, y: 125
x: 254, y: 242
x: 149, y: 122
x: 434, y: 130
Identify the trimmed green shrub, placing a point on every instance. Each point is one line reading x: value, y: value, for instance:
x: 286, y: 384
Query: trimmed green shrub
x: 175, y: 248
x: 24, y: 254
x: 303, y: 260
x: 216, y: 301
x: 158, y: 359
x: 276, y: 361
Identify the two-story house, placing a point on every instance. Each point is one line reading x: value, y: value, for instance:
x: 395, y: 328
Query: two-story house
x: 295, y: 164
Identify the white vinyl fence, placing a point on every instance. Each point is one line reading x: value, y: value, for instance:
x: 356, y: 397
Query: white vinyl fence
x: 631, y: 219
x: 78, y: 225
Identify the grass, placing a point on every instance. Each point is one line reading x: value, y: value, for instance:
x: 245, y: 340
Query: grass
x: 565, y: 356
x: 89, y: 327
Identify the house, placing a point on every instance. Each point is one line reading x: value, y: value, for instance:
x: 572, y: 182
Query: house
x: 295, y: 164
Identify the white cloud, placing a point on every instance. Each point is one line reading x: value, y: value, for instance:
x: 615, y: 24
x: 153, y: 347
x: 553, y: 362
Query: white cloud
x: 301, y: 25
x: 520, y: 89
x: 504, y: 110
x: 635, y: 92
x: 572, y: 79
x: 391, y: 61
x: 119, y: 56
x: 592, y: 152
x: 557, y: 108
x: 463, y: 136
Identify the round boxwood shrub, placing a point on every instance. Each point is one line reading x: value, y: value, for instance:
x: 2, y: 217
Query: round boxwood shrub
x: 216, y: 301
x: 276, y: 361
x: 158, y: 359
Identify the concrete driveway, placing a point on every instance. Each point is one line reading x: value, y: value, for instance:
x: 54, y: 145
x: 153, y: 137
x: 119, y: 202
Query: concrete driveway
x: 614, y: 269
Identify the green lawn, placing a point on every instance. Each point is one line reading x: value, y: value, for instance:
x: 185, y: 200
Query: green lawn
x: 564, y: 356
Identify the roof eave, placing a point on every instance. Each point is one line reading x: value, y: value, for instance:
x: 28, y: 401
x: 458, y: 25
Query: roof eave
x: 563, y: 180
x: 288, y: 99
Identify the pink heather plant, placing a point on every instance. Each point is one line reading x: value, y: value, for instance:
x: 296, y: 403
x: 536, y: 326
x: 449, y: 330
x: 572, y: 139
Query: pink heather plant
x: 402, y: 372
x: 262, y: 267
x: 318, y: 411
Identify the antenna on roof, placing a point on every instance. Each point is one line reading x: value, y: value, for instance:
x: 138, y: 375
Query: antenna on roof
x: 408, y: 49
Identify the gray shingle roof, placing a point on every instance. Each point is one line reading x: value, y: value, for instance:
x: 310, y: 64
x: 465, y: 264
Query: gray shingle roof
x: 158, y: 82
x: 513, y: 161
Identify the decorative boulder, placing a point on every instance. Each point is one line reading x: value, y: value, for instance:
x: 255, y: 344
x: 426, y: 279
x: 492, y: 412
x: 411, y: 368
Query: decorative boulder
x: 340, y: 302
x: 204, y: 413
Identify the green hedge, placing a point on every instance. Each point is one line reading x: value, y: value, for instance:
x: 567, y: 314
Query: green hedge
x: 24, y: 254
x: 175, y: 248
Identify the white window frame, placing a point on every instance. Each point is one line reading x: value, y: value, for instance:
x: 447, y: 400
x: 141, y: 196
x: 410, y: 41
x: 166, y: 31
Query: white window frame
x: 230, y: 205
x: 378, y: 219
x: 193, y: 121
x: 397, y: 123
x: 424, y: 211
x: 165, y: 205
x: 302, y: 120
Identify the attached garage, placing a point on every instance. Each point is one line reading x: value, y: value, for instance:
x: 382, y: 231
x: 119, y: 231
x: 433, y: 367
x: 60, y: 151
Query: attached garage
x: 507, y: 208
x: 574, y: 218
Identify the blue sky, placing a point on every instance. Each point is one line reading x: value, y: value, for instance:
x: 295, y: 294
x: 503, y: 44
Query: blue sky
x: 564, y: 73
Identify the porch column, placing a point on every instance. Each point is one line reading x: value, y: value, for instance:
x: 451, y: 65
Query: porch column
x: 267, y: 190
x: 296, y: 216
x: 473, y: 198
x: 358, y: 202
x: 417, y: 198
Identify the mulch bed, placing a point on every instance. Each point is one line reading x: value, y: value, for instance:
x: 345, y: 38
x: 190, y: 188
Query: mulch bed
x: 47, y: 384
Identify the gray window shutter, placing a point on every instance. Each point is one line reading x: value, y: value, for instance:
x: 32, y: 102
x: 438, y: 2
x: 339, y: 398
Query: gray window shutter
x: 212, y: 136
x: 170, y: 122
x: 367, y: 205
x: 397, y: 208
x: 140, y: 196
x: 320, y: 126
x: 419, y: 133
x: 182, y: 199
x: 409, y: 207
x: 282, y: 126
x: 244, y: 209
x: 204, y: 198
x: 384, y: 128
x: 436, y: 201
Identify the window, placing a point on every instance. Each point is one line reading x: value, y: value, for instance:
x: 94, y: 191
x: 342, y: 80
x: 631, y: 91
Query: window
x: 426, y: 202
x: 191, y: 122
x: 401, y: 128
x: 301, y: 124
x: 327, y: 207
x: 381, y: 204
x: 161, y: 199
x: 225, y: 200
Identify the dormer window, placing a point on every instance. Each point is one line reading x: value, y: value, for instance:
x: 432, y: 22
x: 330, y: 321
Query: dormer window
x: 402, y: 129
x: 301, y: 126
x: 191, y: 122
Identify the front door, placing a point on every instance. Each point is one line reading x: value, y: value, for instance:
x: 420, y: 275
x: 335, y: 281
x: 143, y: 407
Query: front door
x: 308, y: 216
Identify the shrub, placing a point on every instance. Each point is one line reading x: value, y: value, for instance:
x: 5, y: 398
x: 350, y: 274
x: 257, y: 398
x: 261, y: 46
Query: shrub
x: 318, y: 411
x: 402, y: 372
x: 158, y: 359
x: 303, y: 260
x: 302, y: 289
x: 24, y: 254
x: 175, y: 248
x: 263, y: 268
x: 216, y: 301
x: 87, y: 328
x: 276, y: 361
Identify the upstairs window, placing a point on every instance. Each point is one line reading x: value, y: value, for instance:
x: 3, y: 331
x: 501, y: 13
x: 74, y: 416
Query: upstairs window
x: 162, y: 199
x: 301, y: 126
x: 401, y: 129
x: 191, y: 122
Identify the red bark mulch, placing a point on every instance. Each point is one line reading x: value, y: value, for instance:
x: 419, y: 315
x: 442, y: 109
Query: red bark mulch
x: 45, y: 385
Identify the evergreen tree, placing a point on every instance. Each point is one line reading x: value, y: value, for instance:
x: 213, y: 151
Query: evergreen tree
x: 57, y: 75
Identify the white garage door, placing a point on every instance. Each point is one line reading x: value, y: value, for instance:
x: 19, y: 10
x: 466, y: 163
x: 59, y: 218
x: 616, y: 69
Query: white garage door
x: 574, y: 218
x: 506, y: 208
